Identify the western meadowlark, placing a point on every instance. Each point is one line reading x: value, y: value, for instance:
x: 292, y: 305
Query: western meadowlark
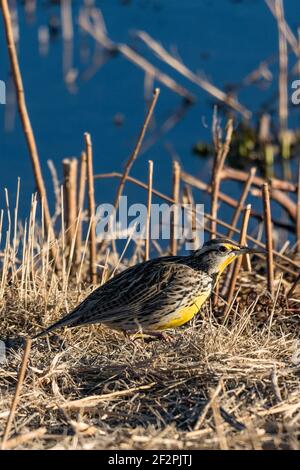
x: 156, y: 295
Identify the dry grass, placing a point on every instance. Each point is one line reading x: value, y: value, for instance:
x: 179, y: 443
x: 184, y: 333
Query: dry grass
x: 230, y: 383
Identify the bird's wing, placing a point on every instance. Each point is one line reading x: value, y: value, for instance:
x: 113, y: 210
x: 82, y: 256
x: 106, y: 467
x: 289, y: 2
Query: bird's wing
x: 161, y: 288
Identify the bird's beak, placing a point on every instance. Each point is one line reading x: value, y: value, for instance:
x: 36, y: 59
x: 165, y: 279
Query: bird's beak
x: 245, y: 250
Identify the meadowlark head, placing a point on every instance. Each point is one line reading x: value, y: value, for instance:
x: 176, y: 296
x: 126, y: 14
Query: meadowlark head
x: 217, y: 254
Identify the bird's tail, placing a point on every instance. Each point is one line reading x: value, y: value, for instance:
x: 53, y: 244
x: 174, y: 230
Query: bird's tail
x: 68, y: 320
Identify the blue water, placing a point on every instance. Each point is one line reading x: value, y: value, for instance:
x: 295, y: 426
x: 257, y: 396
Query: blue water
x: 224, y: 40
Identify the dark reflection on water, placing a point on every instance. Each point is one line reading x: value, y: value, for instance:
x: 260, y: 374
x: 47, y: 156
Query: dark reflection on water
x: 75, y: 88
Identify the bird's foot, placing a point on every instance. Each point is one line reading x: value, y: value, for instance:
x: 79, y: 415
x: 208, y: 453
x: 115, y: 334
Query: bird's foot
x: 150, y: 336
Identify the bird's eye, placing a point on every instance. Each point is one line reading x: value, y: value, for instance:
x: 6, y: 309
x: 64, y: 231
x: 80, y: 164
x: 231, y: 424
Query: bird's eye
x: 222, y: 249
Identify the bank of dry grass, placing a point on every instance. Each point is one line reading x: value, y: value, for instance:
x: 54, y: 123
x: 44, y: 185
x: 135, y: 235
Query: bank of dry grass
x: 222, y: 382
x: 232, y: 384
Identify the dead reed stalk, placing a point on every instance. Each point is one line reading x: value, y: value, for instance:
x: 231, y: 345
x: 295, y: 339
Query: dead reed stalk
x: 238, y: 263
x: 175, y: 214
x: 66, y: 20
x: 177, y: 65
x: 14, y: 404
x: 27, y: 128
x: 188, y: 197
x: 149, y: 203
x: 282, y: 199
x: 240, y: 175
x: 221, y: 152
x: 283, y: 67
x: 269, y: 240
x: 242, y: 200
x: 70, y: 194
x: 137, y: 148
x: 80, y: 205
x: 91, y: 207
x: 285, y: 29
x: 135, y: 153
x: 101, y: 37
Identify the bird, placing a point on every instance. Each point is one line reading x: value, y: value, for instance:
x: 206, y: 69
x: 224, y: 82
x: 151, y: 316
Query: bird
x: 156, y: 295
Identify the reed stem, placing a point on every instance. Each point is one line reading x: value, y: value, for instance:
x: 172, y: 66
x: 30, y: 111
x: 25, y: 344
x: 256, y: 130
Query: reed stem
x: 238, y: 263
x: 80, y: 206
x: 27, y: 128
x: 269, y: 240
x: 91, y: 207
x: 175, y: 212
x: 15, y: 400
x: 70, y: 194
x: 149, y: 203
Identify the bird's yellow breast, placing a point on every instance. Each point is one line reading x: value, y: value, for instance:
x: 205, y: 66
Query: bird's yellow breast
x: 185, y: 314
